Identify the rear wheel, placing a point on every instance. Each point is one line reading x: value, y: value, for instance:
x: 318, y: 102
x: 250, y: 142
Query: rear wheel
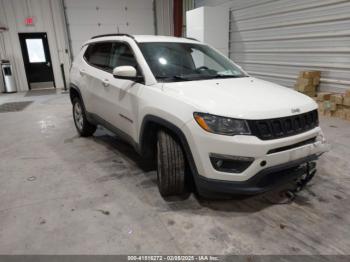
x: 84, y: 127
x: 171, y: 166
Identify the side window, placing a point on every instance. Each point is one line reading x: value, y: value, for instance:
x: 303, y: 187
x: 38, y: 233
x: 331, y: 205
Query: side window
x: 98, y: 55
x: 122, y: 55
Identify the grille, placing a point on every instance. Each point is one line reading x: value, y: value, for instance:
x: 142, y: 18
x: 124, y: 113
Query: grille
x: 283, y: 127
x: 300, y: 144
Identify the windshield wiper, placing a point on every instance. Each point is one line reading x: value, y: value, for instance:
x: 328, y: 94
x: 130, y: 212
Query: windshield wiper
x: 174, y: 78
x: 196, y: 77
x: 228, y: 76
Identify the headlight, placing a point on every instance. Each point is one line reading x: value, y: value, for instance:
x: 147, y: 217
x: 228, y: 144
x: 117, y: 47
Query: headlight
x: 222, y: 125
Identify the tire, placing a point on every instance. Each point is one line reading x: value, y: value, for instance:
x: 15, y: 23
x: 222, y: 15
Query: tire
x: 171, y: 166
x: 83, y: 126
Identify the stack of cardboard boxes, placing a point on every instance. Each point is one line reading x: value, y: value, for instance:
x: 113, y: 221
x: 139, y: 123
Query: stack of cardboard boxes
x: 308, y: 82
x: 336, y: 105
x: 329, y: 104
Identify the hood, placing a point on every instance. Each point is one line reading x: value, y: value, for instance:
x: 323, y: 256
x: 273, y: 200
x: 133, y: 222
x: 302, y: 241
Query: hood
x: 244, y: 98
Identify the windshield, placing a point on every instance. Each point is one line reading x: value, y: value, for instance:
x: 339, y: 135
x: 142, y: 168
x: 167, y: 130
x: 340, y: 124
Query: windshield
x: 186, y: 62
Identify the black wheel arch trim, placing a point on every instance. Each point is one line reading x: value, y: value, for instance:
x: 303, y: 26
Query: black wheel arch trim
x: 174, y: 129
x: 76, y: 88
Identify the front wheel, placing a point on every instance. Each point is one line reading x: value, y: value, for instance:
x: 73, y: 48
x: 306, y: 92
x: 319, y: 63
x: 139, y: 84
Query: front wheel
x: 171, y: 166
x: 84, y: 127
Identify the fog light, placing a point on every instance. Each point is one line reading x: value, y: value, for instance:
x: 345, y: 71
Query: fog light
x: 230, y: 164
x: 219, y: 163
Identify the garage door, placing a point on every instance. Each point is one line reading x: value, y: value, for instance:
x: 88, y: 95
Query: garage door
x: 86, y: 18
x: 274, y: 40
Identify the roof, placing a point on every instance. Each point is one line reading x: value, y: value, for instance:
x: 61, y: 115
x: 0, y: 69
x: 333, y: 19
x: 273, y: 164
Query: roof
x: 143, y: 38
x: 160, y: 38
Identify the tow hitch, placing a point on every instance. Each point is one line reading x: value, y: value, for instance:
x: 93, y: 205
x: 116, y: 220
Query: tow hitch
x: 302, y: 181
x: 288, y: 195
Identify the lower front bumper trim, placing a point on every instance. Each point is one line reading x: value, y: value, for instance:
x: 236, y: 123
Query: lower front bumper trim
x: 263, y: 181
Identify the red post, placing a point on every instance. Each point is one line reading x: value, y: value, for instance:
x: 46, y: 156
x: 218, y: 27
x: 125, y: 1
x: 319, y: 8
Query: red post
x: 178, y: 18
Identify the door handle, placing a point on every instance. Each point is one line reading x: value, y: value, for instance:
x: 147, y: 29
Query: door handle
x: 82, y: 72
x: 105, y: 83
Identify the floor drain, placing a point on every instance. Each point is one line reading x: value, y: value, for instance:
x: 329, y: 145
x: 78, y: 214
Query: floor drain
x: 32, y: 178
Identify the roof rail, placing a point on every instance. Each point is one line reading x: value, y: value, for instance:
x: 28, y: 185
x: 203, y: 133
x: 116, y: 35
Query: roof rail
x: 191, y: 38
x: 119, y: 34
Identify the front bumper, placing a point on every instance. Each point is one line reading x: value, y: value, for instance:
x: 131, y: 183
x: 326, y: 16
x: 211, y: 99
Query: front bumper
x: 202, y: 144
x: 263, y: 181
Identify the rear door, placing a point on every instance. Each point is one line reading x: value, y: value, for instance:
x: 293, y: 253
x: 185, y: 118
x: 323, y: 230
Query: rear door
x: 97, y: 72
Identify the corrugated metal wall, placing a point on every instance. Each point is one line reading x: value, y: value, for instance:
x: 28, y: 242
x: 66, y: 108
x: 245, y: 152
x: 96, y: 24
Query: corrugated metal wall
x: 274, y: 40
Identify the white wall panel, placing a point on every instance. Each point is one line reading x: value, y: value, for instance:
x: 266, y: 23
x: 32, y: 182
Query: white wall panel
x: 207, y: 24
x: 164, y: 17
x: 87, y: 18
x: 275, y: 39
x: 48, y: 17
x: 79, y: 4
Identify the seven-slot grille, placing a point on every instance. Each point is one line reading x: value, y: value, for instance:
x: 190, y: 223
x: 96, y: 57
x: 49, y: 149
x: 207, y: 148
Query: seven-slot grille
x: 283, y: 127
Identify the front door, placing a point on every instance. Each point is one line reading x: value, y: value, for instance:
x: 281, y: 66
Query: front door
x: 124, y: 93
x: 37, y: 60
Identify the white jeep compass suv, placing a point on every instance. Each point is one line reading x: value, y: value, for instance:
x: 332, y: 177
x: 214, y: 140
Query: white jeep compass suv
x: 197, y: 114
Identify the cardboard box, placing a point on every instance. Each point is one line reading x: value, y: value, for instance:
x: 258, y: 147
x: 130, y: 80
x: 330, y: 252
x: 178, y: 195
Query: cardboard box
x: 308, y: 82
x: 311, y: 94
x: 337, y: 98
x: 328, y: 113
x: 321, y: 108
x: 347, y: 114
x: 322, y: 96
x: 305, y: 85
x: 329, y: 106
x: 340, y: 113
x: 310, y: 74
x: 307, y: 88
x: 304, y: 81
x: 346, y: 101
x: 316, y: 81
x: 347, y: 93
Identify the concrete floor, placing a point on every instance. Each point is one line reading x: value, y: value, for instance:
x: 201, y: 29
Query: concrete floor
x: 61, y: 194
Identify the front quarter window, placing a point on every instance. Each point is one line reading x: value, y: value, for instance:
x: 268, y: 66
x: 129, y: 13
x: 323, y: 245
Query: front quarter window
x: 186, y: 61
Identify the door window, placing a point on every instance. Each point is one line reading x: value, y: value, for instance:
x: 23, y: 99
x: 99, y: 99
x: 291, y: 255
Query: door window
x: 122, y: 55
x: 98, y: 55
x: 35, y: 50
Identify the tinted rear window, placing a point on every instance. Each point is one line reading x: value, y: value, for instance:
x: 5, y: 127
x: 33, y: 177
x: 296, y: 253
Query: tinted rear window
x: 98, y: 54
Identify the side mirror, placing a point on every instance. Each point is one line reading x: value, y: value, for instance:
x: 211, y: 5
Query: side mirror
x: 126, y: 72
